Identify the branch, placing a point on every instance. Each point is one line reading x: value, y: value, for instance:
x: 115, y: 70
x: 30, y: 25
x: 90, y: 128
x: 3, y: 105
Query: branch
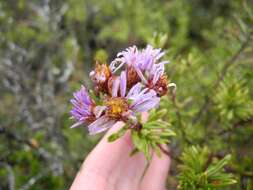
x: 242, y: 173
x: 11, y: 176
x: 242, y: 123
x: 166, y: 152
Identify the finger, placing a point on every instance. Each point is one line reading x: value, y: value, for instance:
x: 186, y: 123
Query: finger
x: 101, y: 167
x: 144, y: 117
x: 155, y: 177
x: 131, y: 171
x: 108, y: 160
x: 110, y: 154
x: 133, y: 167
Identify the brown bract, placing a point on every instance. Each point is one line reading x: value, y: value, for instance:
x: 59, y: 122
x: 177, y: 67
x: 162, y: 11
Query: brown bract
x: 100, y: 76
x: 132, y: 77
x: 92, y: 117
x: 110, y: 84
x: 161, y: 86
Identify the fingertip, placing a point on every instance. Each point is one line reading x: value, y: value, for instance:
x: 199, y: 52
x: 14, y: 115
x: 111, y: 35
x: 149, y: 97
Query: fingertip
x: 156, y: 175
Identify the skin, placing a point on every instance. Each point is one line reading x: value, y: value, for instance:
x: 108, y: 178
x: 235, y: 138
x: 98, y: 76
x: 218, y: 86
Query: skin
x: 109, y: 167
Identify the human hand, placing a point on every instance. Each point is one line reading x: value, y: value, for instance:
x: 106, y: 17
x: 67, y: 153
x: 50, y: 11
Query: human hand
x: 109, y: 167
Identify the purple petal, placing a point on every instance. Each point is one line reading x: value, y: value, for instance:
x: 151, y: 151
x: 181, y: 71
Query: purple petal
x: 98, y: 110
x: 115, y: 87
x: 136, y: 97
x: 116, y: 65
x: 147, y: 105
x: 82, y: 104
x: 164, y: 62
x: 159, y: 55
x: 149, y: 65
x: 123, y: 84
x: 134, y: 90
x: 100, y: 125
x: 157, y: 75
x: 143, y: 96
x: 77, y: 124
x: 157, y: 71
x: 141, y: 75
x: 128, y: 56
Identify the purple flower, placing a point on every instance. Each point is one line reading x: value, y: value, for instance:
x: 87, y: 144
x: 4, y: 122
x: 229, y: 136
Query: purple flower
x: 146, y: 64
x: 148, y: 57
x: 144, y: 59
x: 141, y: 99
x: 137, y: 89
x: 128, y: 57
x: 82, y: 107
x: 122, y: 106
x: 151, y: 75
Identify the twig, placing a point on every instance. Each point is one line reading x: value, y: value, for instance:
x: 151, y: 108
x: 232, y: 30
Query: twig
x: 242, y: 123
x: 164, y: 150
x: 32, y: 181
x: 11, y: 176
x: 242, y: 173
x: 208, y: 162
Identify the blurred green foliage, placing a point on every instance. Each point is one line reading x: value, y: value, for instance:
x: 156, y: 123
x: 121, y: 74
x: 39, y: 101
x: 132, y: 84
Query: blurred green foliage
x: 200, y: 172
x: 47, y: 49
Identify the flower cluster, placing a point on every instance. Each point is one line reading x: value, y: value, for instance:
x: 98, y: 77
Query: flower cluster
x: 133, y: 83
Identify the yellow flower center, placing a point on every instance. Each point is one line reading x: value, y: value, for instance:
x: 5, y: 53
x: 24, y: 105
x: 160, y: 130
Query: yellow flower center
x: 116, y: 106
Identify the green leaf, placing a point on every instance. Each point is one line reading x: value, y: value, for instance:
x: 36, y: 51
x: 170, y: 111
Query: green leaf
x: 193, y: 174
x: 214, y: 169
x: 141, y: 144
x: 155, y: 115
x: 153, y: 132
x: 117, y: 135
